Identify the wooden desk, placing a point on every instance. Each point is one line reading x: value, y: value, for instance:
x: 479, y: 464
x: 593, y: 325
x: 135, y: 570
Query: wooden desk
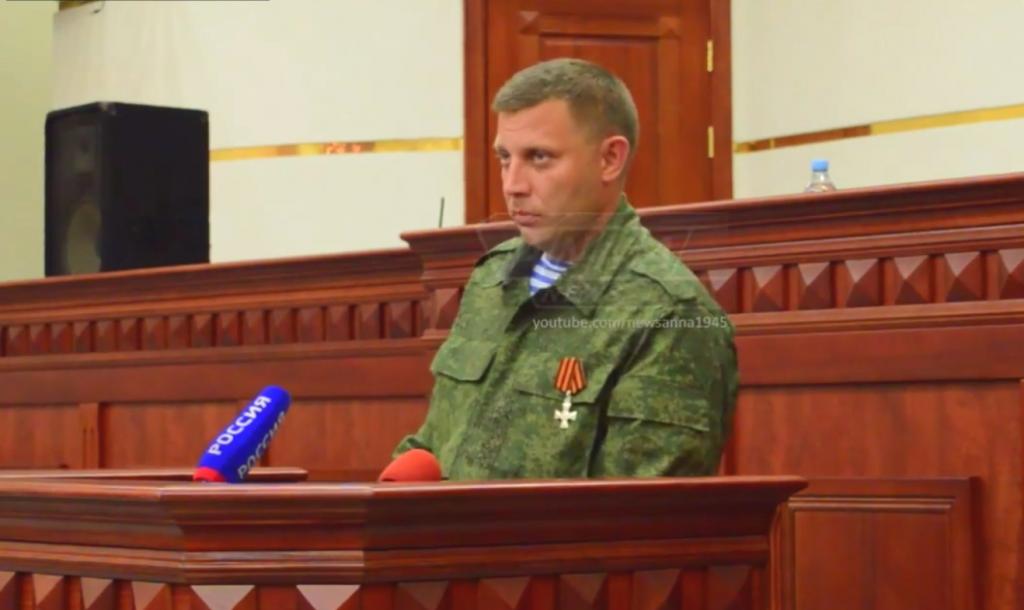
x: 559, y: 545
x: 257, y: 475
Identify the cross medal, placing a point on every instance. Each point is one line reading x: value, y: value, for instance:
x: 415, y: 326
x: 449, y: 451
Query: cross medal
x: 570, y: 380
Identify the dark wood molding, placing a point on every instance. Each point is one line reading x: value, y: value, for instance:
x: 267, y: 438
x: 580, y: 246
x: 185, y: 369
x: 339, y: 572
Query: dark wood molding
x: 978, y: 316
x: 967, y: 239
x: 311, y: 300
x: 721, y: 99
x: 879, y: 210
x: 925, y: 243
x: 933, y: 205
x: 879, y: 333
x: 309, y: 533
x: 256, y: 475
x: 386, y: 369
x: 852, y: 356
x: 477, y: 157
x: 372, y: 268
x: 233, y: 356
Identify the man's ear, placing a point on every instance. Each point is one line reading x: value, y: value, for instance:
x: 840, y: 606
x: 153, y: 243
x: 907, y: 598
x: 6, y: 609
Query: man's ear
x: 614, y: 156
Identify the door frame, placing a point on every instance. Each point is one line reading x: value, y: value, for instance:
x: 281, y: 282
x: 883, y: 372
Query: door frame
x: 478, y: 161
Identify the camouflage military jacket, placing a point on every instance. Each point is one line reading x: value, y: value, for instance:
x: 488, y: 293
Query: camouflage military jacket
x: 657, y: 353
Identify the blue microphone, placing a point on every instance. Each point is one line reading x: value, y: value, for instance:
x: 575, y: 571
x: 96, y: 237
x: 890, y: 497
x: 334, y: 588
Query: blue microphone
x: 241, y: 444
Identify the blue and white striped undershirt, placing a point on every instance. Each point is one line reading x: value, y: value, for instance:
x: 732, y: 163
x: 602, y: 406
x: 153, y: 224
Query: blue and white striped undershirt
x: 545, y: 272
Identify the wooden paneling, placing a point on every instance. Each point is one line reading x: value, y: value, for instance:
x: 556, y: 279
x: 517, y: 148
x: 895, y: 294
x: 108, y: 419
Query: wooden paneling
x: 184, y: 430
x: 844, y: 347
x: 878, y: 430
x: 176, y: 360
x: 642, y: 544
x: 951, y: 241
x: 356, y: 369
x: 377, y: 395
x: 1005, y: 273
x: 40, y: 436
x: 880, y: 333
x: 631, y: 590
x: 659, y: 49
x: 896, y: 431
x: 89, y: 414
x: 399, y: 318
x: 227, y: 329
x: 256, y: 475
x: 355, y: 532
x: 904, y: 543
x: 368, y: 323
x: 804, y: 283
x: 354, y: 438
x: 224, y: 306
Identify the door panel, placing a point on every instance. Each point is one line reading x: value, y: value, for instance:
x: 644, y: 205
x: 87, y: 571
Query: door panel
x: 657, y: 47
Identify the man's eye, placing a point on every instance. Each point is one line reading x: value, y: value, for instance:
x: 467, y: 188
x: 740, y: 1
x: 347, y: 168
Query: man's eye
x: 540, y: 157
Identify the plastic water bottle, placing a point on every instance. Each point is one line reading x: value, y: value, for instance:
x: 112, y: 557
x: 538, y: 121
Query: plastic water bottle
x: 820, y: 180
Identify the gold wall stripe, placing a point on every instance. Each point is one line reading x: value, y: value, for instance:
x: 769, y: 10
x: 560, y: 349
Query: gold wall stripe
x: 336, y: 148
x: 949, y: 119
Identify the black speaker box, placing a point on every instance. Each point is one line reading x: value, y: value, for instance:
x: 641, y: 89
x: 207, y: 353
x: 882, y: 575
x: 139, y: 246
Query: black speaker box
x: 127, y: 186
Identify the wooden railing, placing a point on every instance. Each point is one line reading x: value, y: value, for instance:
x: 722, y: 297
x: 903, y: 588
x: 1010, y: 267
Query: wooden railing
x: 880, y: 334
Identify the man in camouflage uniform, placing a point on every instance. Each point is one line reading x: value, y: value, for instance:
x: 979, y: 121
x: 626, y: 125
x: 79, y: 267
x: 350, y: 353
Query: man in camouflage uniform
x: 583, y: 347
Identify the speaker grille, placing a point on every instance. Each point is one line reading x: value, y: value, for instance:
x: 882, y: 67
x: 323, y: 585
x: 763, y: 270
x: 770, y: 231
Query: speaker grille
x: 127, y: 186
x: 82, y: 238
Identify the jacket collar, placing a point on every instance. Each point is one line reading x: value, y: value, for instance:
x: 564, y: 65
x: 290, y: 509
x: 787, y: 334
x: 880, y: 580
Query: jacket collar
x: 589, y: 276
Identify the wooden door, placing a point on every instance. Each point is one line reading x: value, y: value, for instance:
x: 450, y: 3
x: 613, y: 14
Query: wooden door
x: 664, y: 50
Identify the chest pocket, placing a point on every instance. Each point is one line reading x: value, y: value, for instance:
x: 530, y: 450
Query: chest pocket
x: 653, y: 400
x: 536, y: 377
x: 463, y: 359
x: 557, y: 442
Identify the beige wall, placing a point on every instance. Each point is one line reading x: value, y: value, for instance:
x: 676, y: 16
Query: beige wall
x: 286, y: 72
x: 314, y: 71
x: 25, y: 72
x: 803, y: 66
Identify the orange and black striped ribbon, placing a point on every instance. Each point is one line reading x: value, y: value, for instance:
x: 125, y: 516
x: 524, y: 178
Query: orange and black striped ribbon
x: 570, y: 376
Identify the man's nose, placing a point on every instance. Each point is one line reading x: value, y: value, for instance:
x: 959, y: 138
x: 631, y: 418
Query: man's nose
x: 514, y: 181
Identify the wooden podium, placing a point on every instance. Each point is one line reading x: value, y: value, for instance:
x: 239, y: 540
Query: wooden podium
x: 124, y: 544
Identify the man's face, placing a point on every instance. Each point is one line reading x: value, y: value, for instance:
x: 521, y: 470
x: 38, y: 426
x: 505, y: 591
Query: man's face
x: 550, y: 173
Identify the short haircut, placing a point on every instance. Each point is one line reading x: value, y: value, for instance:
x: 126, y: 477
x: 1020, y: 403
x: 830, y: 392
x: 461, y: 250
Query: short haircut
x: 598, y: 100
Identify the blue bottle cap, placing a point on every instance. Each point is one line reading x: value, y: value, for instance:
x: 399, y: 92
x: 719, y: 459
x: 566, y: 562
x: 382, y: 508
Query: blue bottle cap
x: 819, y: 165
